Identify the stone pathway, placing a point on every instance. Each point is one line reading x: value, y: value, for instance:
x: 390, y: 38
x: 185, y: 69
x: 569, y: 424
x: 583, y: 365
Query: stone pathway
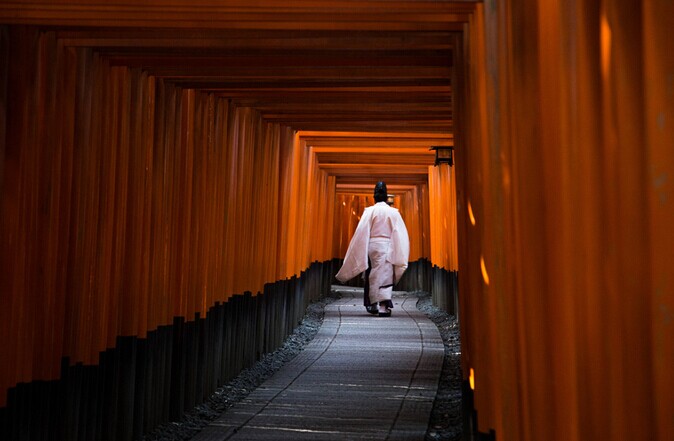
x: 361, y: 377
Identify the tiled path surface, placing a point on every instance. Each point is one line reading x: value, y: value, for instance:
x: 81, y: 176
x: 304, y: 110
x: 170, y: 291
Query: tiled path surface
x: 362, y: 377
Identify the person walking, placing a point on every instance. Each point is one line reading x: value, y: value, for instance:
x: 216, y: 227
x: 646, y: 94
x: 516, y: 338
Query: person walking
x: 381, y: 247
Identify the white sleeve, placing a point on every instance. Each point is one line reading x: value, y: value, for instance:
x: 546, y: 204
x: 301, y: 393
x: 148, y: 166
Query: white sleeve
x: 355, y: 261
x: 400, y: 248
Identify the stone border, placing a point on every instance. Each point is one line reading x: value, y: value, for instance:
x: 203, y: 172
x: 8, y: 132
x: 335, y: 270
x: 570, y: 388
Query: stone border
x: 445, y: 420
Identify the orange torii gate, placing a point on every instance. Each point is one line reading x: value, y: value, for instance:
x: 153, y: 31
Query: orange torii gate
x: 159, y: 165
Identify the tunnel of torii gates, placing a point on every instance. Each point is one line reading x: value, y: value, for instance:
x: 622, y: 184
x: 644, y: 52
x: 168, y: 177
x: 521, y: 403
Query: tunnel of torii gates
x: 179, y: 179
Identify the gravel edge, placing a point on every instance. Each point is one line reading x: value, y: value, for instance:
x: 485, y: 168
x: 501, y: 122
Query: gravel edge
x: 248, y: 379
x: 445, y: 420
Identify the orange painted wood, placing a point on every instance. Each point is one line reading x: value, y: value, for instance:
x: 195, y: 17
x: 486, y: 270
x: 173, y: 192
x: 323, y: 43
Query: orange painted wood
x: 131, y: 193
x: 127, y: 202
x: 658, y: 71
x: 316, y: 79
x: 560, y: 211
x: 364, y: 15
x: 442, y: 212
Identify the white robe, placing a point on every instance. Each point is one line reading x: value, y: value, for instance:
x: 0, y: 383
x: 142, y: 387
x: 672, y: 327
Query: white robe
x: 381, y: 235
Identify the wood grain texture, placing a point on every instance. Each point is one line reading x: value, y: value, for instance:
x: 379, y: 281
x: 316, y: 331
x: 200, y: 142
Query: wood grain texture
x: 559, y: 261
x: 128, y: 201
x: 157, y: 158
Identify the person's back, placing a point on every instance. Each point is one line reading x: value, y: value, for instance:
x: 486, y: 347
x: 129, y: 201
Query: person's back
x: 380, y: 245
x: 383, y: 218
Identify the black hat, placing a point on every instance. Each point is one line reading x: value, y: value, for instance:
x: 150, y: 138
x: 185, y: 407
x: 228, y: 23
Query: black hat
x: 380, y: 192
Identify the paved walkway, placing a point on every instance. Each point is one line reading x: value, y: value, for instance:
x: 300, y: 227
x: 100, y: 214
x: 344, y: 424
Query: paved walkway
x: 361, y: 377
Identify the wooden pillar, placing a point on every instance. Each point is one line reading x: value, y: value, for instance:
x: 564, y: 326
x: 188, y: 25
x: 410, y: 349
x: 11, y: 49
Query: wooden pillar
x: 658, y: 68
x: 443, y: 235
x: 566, y: 302
x: 4, y: 71
x: 128, y: 204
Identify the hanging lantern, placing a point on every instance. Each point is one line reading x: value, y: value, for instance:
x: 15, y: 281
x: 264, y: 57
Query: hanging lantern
x: 443, y: 155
